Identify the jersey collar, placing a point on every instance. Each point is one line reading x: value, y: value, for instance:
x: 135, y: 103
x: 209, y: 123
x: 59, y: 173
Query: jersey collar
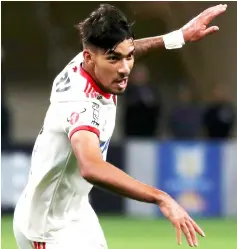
x: 93, y: 84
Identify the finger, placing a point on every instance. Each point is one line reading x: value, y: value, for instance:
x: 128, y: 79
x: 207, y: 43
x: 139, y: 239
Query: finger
x: 197, y: 228
x: 192, y: 232
x: 178, y: 234
x: 209, y: 14
x: 213, y: 14
x: 210, y: 30
x: 187, y: 234
x: 211, y: 9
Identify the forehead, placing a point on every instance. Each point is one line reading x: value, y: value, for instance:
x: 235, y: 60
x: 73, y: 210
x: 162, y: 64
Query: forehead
x: 125, y: 47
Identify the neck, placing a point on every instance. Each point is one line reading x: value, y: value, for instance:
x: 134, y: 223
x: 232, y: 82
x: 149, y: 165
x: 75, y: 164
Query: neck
x: 90, y: 71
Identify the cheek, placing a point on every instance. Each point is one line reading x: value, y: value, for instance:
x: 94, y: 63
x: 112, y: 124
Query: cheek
x: 100, y: 73
x: 131, y: 64
x: 104, y: 73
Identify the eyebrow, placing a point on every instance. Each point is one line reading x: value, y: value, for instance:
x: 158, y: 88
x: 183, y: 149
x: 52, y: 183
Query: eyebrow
x: 120, y: 54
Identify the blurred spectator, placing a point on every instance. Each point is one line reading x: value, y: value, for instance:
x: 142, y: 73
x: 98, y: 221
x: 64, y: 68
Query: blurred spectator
x: 5, y: 116
x: 185, y: 118
x: 219, y: 116
x: 142, y: 108
x: 5, y: 125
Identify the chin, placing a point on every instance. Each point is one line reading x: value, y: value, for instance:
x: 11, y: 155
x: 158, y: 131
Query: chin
x: 119, y: 91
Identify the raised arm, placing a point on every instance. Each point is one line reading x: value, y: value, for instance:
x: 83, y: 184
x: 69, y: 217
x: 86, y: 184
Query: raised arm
x: 194, y: 30
x: 95, y: 170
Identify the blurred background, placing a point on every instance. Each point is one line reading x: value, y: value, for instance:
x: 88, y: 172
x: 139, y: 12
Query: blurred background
x: 176, y: 124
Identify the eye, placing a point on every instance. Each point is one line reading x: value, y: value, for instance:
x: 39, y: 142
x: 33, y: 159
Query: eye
x: 113, y: 58
x: 130, y: 56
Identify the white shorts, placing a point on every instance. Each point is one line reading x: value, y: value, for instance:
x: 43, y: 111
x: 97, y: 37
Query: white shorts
x: 74, y: 236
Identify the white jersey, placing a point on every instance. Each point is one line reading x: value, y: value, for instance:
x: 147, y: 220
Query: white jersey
x: 56, y: 194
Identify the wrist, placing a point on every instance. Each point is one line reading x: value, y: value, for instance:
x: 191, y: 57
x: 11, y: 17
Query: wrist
x: 160, y: 197
x: 185, y: 34
x: 174, y: 39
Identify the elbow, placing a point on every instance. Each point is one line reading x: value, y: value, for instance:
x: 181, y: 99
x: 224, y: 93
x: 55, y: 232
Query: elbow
x: 88, y: 173
x: 85, y: 173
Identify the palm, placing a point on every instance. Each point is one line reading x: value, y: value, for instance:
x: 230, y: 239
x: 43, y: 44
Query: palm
x: 181, y: 221
x: 197, y: 27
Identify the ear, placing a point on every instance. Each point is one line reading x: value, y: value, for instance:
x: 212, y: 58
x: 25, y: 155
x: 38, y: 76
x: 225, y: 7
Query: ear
x: 88, y: 56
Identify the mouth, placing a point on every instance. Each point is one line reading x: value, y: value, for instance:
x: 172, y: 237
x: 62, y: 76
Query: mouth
x: 122, y: 83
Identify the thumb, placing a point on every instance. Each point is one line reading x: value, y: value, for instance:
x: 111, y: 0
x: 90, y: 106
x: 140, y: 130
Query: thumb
x: 210, y: 30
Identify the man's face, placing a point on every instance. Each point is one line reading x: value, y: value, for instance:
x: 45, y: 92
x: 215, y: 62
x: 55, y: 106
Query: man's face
x: 111, y: 69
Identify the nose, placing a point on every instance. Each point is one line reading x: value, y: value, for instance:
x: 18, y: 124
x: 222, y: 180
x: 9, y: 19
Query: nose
x: 124, y: 68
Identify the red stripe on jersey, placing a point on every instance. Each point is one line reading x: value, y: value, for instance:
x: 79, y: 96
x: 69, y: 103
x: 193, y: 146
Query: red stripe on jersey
x: 39, y: 245
x: 90, y: 89
x: 86, y: 88
x: 85, y: 128
x: 94, y: 85
x: 35, y: 245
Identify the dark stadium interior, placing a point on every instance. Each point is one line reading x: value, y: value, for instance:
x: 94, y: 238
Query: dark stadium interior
x: 190, y: 118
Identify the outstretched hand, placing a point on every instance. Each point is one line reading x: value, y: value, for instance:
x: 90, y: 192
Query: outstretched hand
x: 197, y: 28
x: 182, y: 222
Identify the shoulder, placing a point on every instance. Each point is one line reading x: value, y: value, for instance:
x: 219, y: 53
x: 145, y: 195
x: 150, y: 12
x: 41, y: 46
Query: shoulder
x: 69, y: 84
x: 74, y: 84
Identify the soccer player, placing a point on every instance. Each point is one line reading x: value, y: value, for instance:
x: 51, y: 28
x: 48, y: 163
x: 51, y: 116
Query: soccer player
x: 69, y: 154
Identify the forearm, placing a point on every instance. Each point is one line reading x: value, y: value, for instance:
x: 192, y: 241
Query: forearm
x: 173, y: 40
x: 143, y: 45
x: 113, y: 179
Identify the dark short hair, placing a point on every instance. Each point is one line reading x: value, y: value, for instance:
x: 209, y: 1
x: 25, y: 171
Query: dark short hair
x: 105, y: 28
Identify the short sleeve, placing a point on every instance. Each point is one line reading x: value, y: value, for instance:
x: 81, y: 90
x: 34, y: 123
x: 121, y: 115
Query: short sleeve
x: 82, y: 116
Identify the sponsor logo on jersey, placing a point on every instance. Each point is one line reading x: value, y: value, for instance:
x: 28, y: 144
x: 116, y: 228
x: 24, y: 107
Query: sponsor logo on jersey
x: 74, y: 117
x: 95, y: 115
